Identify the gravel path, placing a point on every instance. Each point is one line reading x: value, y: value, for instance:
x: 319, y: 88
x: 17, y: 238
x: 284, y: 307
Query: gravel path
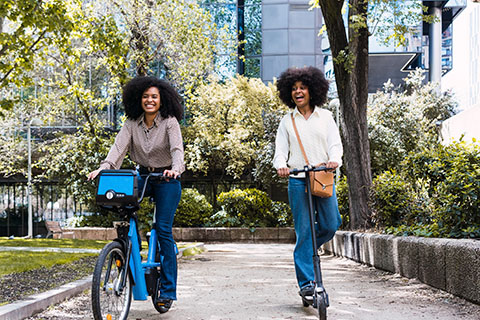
x: 257, y: 281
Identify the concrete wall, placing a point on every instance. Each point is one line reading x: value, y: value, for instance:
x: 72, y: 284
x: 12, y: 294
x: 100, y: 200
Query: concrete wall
x: 448, y: 264
x: 278, y: 235
x: 92, y: 233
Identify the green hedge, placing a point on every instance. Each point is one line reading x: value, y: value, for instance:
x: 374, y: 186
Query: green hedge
x: 341, y: 190
x: 393, y: 200
x: 250, y: 208
x: 437, y: 193
x: 193, y: 209
x: 240, y: 208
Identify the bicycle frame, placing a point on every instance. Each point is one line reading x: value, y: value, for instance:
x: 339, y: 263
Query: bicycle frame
x: 134, y: 263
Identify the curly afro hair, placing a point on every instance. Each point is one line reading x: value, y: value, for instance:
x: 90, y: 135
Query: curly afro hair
x: 171, y: 102
x: 312, y: 77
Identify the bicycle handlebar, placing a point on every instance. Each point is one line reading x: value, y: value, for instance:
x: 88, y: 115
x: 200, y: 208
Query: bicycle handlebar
x: 156, y: 176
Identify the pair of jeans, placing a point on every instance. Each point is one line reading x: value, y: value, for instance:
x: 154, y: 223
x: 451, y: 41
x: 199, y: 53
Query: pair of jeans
x: 167, y: 196
x: 327, y: 218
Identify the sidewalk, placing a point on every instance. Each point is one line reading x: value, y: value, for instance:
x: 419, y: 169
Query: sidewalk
x: 257, y: 281
x: 38, y: 302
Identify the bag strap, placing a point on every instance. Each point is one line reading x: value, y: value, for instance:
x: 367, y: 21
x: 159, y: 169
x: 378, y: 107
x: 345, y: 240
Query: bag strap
x: 299, y: 141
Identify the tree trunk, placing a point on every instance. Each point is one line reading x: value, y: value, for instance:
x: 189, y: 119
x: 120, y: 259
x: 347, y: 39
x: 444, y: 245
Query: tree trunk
x: 351, y: 76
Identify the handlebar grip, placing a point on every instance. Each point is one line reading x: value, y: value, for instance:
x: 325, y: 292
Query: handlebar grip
x: 160, y: 176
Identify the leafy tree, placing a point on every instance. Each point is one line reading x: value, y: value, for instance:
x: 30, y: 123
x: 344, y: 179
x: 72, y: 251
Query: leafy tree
x: 350, y: 63
x: 79, y: 75
x: 174, y: 38
x: 27, y: 27
x: 225, y: 128
x: 404, y: 119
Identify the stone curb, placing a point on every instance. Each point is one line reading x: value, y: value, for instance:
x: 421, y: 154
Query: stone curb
x: 39, y: 302
x: 245, y: 235
x: 452, y: 265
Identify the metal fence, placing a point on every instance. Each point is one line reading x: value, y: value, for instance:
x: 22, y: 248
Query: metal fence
x: 50, y: 201
x: 54, y: 201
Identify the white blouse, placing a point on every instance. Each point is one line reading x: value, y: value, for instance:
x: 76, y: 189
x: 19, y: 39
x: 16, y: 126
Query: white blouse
x: 320, y: 138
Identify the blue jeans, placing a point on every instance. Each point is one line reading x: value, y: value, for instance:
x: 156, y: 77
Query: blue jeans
x: 167, y: 196
x: 327, y: 218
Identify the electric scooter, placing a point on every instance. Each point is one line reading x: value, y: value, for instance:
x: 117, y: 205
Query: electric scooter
x: 320, y: 296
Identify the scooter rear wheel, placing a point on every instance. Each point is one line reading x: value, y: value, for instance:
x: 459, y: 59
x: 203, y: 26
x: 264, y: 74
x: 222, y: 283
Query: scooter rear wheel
x: 305, y: 302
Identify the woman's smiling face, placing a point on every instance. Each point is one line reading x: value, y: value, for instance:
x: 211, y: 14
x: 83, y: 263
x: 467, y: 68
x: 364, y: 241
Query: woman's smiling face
x: 300, y: 95
x: 151, y: 101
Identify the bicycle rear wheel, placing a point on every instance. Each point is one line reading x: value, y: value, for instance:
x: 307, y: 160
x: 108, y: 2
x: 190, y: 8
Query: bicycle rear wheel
x: 109, y: 299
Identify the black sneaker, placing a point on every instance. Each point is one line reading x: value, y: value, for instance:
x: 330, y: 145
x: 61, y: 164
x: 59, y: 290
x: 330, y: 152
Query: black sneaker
x: 164, y: 305
x: 307, y: 291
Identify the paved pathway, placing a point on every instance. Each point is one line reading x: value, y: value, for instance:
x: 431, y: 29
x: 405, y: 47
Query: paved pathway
x: 254, y: 281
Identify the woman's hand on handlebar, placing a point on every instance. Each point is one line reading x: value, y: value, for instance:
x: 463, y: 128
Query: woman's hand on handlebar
x: 332, y: 165
x: 171, y: 174
x: 92, y: 175
x: 283, y: 172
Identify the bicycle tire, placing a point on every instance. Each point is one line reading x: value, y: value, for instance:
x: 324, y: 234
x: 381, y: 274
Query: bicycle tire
x: 108, y: 303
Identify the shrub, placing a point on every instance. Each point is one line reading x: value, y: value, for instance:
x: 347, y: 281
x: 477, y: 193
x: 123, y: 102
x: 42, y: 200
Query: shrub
x: 102, y: 219
x: 392, y: 200
x: 248, y: 208
x: 404, y: 119
x: 282, y: 211
x: 452, y: 174
x: 193, y: 209
x: 341, y: 189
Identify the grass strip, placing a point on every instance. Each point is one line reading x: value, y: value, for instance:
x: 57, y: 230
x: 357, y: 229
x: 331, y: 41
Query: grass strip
x: 56, y: 243
x: 21, y: 261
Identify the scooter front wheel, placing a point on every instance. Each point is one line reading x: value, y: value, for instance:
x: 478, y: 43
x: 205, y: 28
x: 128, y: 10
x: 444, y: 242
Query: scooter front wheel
x: 322, y: 307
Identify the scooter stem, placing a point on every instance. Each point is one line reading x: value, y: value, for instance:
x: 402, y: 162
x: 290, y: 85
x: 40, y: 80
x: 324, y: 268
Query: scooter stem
x: 315, y: 257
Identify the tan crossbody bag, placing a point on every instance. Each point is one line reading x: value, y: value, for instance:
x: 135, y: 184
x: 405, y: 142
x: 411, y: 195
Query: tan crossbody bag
x: 321, y: 182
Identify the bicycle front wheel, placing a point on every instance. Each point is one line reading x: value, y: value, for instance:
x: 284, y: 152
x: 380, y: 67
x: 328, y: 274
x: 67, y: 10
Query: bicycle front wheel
x: 111, y: 300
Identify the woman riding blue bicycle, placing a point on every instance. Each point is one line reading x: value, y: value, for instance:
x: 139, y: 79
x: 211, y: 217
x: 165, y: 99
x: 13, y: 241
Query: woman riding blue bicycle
x: 153, y: 139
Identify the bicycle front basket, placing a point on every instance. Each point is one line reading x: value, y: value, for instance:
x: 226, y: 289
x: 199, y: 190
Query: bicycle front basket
x: 118, y: 188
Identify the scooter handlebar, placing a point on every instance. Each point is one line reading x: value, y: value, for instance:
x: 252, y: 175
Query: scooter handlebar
x: 309, y: 169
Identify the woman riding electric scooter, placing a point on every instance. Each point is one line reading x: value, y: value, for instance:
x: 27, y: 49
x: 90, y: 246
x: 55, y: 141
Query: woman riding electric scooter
x: 304, y: 90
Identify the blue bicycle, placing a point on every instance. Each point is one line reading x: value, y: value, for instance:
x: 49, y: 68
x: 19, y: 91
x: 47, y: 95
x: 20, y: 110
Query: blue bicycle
x: 119, y: 270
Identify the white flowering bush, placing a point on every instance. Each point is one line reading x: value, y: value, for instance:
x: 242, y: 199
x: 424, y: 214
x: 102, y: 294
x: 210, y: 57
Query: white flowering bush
x: 225, y: 131
x: 402, y: 120
x: 74, y: 222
